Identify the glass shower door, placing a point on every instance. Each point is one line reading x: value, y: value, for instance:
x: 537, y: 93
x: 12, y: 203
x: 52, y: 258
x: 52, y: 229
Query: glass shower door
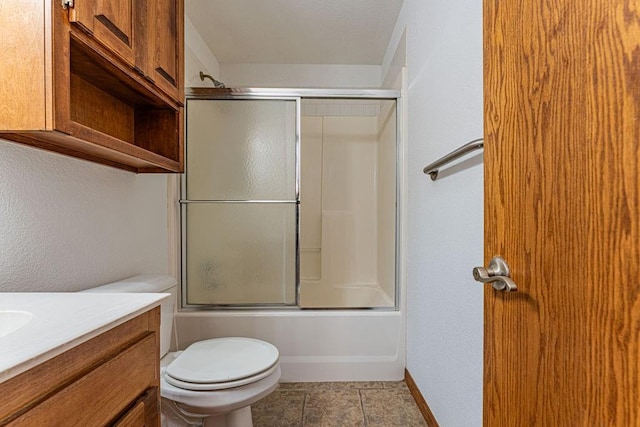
x: 240, y: 202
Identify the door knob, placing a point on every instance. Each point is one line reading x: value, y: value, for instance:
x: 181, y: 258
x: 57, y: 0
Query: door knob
x: 497, y: 273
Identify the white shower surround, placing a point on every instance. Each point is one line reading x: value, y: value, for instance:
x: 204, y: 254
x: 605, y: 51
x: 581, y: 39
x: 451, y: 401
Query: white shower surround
x: 347, y: 227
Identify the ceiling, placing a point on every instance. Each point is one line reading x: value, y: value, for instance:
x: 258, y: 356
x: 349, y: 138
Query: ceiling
x: 354, y: 32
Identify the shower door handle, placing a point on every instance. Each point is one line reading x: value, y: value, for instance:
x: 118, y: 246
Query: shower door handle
x: 497, y: 273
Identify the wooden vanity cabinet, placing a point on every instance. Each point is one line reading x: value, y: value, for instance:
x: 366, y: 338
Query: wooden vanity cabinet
x: 112, y: 379
x: 100, y: 80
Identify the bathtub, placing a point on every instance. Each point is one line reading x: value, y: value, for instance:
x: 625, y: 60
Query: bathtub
x: 314, y: 345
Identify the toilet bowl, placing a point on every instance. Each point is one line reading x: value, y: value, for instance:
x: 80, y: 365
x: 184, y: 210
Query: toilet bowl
x: 215, y: 380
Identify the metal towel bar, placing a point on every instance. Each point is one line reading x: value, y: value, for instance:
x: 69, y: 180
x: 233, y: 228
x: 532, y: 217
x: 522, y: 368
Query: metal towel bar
x: 432, y: 168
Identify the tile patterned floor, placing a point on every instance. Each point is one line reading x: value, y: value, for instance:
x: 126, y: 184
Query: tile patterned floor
x: 346, y: 404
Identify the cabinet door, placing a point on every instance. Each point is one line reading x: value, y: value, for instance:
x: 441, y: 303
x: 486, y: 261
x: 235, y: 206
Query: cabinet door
x: 166, y: 37
x: 111, y: 22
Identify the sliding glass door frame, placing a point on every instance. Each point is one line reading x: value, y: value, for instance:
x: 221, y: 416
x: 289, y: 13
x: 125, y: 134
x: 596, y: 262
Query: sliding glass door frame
x: 285, y: 95
x: 184, y: 202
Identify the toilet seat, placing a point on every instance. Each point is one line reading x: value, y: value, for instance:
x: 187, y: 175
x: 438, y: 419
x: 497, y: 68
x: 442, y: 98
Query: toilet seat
x: 215, y: 402
x: 222, y: 363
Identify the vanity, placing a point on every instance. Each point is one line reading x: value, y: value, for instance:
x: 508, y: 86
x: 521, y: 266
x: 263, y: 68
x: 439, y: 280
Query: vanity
x: 79, y: 359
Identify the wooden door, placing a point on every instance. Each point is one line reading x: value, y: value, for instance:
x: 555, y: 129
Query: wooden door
x: 166, y: 60
x: 562, y: 207
x: 112, y: 22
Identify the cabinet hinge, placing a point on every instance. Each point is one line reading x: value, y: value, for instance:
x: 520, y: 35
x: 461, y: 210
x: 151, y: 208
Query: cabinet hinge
x: 66, y: 4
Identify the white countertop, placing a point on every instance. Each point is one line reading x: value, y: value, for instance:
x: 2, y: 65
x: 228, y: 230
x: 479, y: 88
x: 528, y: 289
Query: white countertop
x: 62, y: 321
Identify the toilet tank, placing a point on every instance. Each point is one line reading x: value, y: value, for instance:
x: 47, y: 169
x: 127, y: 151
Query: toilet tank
x: 150, y: 283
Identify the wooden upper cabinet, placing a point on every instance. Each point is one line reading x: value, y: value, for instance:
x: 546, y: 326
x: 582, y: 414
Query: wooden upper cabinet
x: 147, y: 34
x: 112, y: 22
x: 101, y: 80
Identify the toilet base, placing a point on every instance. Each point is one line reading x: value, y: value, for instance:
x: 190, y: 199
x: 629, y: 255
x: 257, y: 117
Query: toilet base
x: 238, y: 418
x: 174, y: 416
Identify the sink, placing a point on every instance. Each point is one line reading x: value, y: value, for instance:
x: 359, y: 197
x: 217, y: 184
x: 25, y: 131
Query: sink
x: 12, y: 320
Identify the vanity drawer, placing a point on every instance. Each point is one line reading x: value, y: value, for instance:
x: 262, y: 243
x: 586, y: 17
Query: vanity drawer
x: 101, y: 395
x: 144, y: 412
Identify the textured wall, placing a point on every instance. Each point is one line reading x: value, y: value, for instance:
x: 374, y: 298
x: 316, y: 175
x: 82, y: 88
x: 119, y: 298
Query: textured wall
x: 197, y: 57
x: 301, y: 75
x: 445, y: 217
x: 67, y: 224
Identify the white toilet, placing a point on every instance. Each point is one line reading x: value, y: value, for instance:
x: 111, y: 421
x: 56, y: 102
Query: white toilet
x: 216, y: 380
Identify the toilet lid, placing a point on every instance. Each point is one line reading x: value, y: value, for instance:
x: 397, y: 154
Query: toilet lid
x: 221, y: 360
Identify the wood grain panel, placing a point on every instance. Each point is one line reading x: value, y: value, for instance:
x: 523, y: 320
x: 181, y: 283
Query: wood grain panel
x: 166, y: 38
x: 144, y: 413
x: 130, y: 160
x: 99, y: 396
x: 99, y: 110
x: 158, y: 131
x: 22, y: 61
x: 90, y: 64
x: 83, y: 13
x: 109, y: 21
x: 562, y: 149
x: 167, y: 55
x: 133, y: 418
x: 118, y: 17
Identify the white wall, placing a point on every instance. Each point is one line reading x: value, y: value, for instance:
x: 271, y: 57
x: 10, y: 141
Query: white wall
x: 67, y: 224
x: 301, y: 75
x: 445, y: 217
x: 197, y: 57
